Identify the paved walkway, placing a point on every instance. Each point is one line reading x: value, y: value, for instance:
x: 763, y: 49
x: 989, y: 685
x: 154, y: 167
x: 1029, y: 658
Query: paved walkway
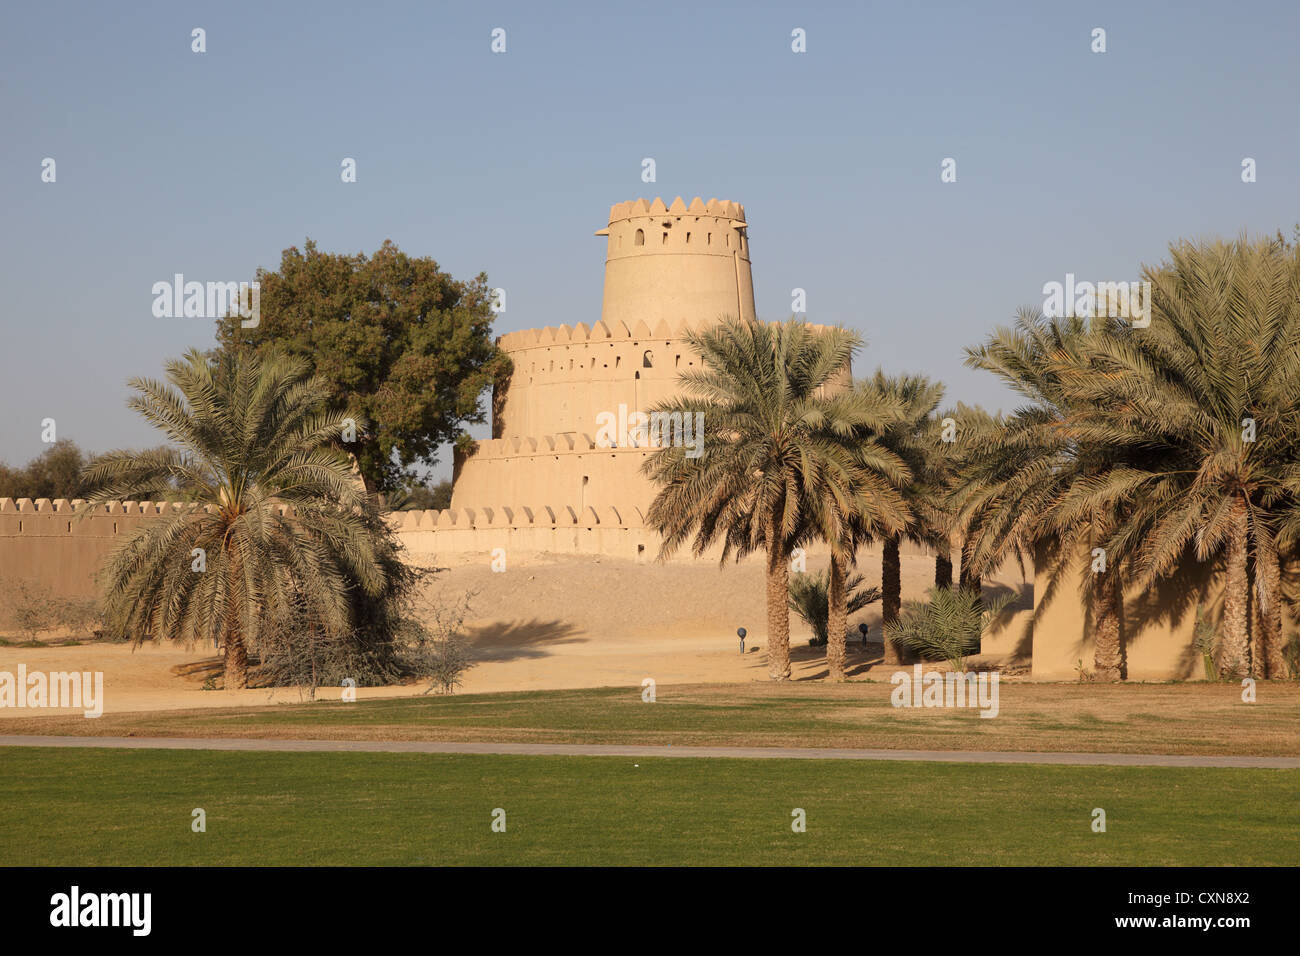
x: 635, y: 750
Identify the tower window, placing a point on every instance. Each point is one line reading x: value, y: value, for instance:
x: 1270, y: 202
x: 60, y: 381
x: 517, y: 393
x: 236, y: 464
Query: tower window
x: 640, y: 237
x: 648, y: 359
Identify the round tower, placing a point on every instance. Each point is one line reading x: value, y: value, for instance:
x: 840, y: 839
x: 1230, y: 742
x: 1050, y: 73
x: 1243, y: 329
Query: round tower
x: 669, y: 270
x: 676, y: 263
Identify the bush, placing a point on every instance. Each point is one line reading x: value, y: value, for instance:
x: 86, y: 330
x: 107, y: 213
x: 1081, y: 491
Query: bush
x: 31, y: 608
x: 389, y: 640
x: 810, y: 599
x: 296, y: 650
x: 439, y: 653
x: 948, y: 626
x: 80, y: 617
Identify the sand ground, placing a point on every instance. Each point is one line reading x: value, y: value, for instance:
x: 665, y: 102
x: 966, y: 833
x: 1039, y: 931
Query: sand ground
x: 546, y: 623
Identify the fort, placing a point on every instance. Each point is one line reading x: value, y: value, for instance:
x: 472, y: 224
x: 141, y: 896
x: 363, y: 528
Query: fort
x: 556, y: 480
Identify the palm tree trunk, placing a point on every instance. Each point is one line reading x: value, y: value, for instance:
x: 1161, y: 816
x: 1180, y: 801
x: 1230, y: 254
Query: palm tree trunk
x: 236, y: 657
x: 968, y: 581
x: 1104, y: 597
x: 1234, y: 659
x: 943, y: 565
x: 778, y: 608
x: 891, y: 596
x: 837, y: 621
x: 1268, y: 583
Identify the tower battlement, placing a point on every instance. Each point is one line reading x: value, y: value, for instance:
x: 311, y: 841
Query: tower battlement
x: 670, y: 269
x: 639, y: 208
x: 676, y: 263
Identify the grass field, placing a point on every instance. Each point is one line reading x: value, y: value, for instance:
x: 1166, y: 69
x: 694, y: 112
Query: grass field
x: 1138, y: 718
x: 97, y: 807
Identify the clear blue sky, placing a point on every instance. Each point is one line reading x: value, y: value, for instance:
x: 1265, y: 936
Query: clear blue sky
x: 170, y: 161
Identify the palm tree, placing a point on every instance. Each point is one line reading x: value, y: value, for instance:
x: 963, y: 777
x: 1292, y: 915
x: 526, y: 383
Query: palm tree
x: 278, y: 522
x: 1210, y: 394
x: 810, y: 599
x: 913, y: 436
x: 1020, y: 481
x: 773, y: 440
x: 946, y: 461
x: 854, y: 504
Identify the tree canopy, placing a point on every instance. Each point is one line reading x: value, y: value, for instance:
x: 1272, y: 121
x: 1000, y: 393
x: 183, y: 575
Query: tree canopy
x: 394, y: 338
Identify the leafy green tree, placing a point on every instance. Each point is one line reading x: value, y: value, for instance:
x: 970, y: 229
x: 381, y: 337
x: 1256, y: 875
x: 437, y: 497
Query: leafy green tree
x: 283, y: 529
x: 54, y: 473
x: 400, y: 342
x: 771, y: 437
x: 419, y: 496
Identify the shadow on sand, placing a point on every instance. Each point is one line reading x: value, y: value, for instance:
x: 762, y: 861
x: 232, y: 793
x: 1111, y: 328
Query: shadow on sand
x: 517, y: 640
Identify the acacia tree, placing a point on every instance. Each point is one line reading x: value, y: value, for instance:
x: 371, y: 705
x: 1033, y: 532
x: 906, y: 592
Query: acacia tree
x: 278, y: 527
x: 394, y: 338
x: 770, y: 435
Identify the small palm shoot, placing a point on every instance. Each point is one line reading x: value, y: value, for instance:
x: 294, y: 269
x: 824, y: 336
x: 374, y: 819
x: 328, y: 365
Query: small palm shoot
x: 948, y: 626
x: 809, y: 598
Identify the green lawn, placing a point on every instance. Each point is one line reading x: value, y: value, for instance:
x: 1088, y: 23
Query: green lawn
x: 133, y: 807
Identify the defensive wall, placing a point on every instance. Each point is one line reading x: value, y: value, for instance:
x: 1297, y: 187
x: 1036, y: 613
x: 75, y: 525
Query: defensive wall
x: 46, y: 542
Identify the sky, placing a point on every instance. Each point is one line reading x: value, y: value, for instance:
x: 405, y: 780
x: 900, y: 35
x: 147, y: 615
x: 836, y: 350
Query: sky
x: 209, y: 164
